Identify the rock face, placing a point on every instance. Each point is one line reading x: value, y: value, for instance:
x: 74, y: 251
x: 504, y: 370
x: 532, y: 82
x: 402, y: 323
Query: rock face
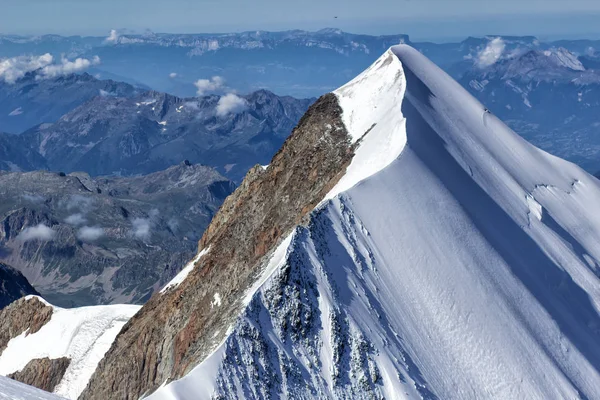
x: 84, y: 241
x: 153, y: 131
x: 42, y: 373
x: 177, y: 329
x: 13, y: 285
x: 21, y: 315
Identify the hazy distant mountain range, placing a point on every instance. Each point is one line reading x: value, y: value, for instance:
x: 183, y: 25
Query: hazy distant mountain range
x: 297, y: 63
x: 83, y: 241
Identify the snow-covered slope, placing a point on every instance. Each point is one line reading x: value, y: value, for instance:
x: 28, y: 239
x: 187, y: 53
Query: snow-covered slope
x: 13, y: 390
x: 83, y: 335
x: 454, y: 260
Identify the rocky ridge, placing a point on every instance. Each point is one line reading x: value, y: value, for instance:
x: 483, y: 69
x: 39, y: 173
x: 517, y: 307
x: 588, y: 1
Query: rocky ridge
x: 177, y: 329
x: 27, y: 314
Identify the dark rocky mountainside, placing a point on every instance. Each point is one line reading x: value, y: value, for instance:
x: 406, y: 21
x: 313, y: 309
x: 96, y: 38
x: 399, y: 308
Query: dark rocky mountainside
x: 15, y: 155
x: 83, y: 241
x: 13, y: 285
x: 152, y: 131
x: 177, y: 329
x: 30, y: 101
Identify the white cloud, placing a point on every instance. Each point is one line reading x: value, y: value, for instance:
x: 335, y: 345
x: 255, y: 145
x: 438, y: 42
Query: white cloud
x: 113, y: 37
x: 173, y: 75
x: 75, y: 219
x: 141, y: 228
x: 231, y: 104
x: 67, y: 67
x: 90, y: 233
x: 13, y: 69
x: 491, y: 53
x: 213, y: 84
x: 38, y: 232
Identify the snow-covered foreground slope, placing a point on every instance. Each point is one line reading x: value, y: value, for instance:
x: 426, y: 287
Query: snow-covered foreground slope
x: 83, y: 335
x: 454, y: 261
x: 13, y: 390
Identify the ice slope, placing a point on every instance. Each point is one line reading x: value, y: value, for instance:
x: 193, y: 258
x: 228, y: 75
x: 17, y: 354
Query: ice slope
x: 13, y: 390
x: 466, y: 266
x: 83, y: 335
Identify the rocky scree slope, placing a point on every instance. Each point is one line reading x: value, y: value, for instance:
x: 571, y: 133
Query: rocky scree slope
x: 13, y: 285
x: 85, y: 241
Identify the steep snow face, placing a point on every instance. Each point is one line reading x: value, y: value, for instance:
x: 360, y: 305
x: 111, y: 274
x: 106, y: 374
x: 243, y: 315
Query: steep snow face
x: 372, y: 115
x: 83, y: 335
x: 467, y: 267
x: 13, y: 390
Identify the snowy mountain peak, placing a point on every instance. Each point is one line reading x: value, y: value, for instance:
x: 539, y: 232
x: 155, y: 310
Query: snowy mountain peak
x: 439, y: 256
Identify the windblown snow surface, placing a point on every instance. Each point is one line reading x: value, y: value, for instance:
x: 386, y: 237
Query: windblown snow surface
x: 453, y: 261
x: 83, y: 335
x: 13, y: 390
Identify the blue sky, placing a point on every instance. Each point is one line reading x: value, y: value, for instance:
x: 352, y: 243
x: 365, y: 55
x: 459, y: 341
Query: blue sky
x: 425, y: 19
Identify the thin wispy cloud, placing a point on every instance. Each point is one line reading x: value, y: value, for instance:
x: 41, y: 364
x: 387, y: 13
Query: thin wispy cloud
x: 141, y: 228
x: 491, y: 53
x: 90, y: 233
x: 76, y: 219
x: 39, y: 232
x: 79, y: 202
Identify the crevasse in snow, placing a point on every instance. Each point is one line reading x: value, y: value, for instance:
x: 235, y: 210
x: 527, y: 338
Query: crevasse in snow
x: 454, y: 261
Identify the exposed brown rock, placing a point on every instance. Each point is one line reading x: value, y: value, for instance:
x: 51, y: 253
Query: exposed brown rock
x: 174, y: 332
x: 43, y: 373
x: 21, y: 315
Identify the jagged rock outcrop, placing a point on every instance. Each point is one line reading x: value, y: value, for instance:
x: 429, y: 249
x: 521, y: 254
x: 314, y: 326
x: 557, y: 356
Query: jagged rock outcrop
x: 13, y: 285
x: 27, y: 314
x: 42, y: 373
x: 177, y: 329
